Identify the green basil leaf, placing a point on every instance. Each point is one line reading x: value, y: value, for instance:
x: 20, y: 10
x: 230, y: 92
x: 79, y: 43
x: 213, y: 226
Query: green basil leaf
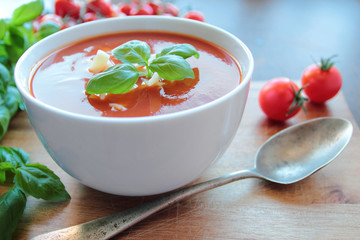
x: 46, y: 29
x: 18, y: 38
x: 28, y: 30
x: 4, y: 120
x: 134, y: 51
x: 2, y: 176
x: 16, y: 156
x: 117, y: 79
x: 183, y: 50
x: 4, y: 167
x: 2, y: 91
x: 3, y: 53
x: 3, y: 28
x: 12, y: 100
x: 172, y: 67
x: 27, y: 12
x: 12, y: 205
x: 40, y: 182
x: 4, y: 74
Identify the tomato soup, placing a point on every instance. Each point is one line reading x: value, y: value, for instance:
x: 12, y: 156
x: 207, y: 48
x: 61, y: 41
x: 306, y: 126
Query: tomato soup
x: 60, y: 79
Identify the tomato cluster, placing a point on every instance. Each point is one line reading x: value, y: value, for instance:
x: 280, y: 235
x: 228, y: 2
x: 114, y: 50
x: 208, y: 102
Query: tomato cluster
x: 68, y: 13
x: 281, y: 99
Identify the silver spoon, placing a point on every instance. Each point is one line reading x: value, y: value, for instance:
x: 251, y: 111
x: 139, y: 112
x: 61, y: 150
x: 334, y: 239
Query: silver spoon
x: 287, y: 157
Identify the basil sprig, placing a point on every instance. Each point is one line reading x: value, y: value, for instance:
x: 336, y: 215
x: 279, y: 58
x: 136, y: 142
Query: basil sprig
x: 170, y: 64
x: 16, y: 35
x: 29, y: 179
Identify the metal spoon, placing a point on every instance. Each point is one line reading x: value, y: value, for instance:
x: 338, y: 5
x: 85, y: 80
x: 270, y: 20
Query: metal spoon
x: 287, y: 157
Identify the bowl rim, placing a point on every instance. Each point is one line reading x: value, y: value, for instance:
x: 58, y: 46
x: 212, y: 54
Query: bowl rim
x: 26, y: 94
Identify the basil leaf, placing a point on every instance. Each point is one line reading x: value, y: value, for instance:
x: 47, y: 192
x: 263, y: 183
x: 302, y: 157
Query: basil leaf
x: 3, y: 53
x: 4, y: 120
x: 18, y: 37
x: 4, y: 78
x: 3, y: 28
x: 172, y: 67
x: 4, y: 167
x: 16, y: 156
x: 134, y: 51
x: 14, y: 53
x: 28, y: 30
x: 46, y: 29
x: 12, y: 205
x: 4, y: 74
x: 183, y: 50
x: 40, y: 182
x: 27, y: 12
x: 2, y: 176
x: 117, y: 79
x: 13, y: 100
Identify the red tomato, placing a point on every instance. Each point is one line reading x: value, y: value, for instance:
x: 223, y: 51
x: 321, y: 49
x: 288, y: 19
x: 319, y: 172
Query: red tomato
x: 156, y: 8
x: 53, y: 18
x: 125, y: 8
x: 102, y: 7
x: 67, y: 8
x: 41, y: 20
x: 89, y: 16
x: 280, y: 99
x: 321, y: 81
x: 144, y: 9
x: 172, y: 9
x: 195, y: 15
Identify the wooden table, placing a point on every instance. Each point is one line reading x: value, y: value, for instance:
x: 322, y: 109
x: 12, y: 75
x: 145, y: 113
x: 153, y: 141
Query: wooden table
x: 324, y: 206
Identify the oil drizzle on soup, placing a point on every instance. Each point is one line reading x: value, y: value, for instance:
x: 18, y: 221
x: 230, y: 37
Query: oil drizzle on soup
x: 60, y: 79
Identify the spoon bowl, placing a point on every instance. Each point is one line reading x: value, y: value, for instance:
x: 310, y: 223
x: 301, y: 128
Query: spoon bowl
x: 297, y: 152
x: 287, y: 157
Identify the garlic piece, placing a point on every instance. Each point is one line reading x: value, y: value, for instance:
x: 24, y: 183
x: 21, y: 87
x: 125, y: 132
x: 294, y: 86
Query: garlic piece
x: 117, y: 107
x: 100, y: 62
x: 154, y: 79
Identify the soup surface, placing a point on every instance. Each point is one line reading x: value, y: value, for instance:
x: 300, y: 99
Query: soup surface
x: 60, y: 79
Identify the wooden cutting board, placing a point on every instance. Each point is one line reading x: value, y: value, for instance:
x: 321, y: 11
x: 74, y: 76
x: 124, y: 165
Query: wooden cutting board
x: 323, y: 206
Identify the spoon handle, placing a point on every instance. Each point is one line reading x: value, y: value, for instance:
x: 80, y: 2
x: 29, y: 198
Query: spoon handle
x: 109, y: 226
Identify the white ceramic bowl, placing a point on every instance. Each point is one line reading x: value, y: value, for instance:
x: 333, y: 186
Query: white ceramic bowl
x: 143, y: 155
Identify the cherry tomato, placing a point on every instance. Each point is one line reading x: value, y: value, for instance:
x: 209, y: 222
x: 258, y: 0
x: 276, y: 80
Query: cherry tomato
x: 321, y: 82
x: 67, y: 8
x: 51, y: 17
x: 195, y: 15
x: 89, y: 16
x: 102, y: 7
x: 144, y: 9
x: 125, y: 8
x: 157, y: 9
x: 280, y: 99
x: 47, y: 20
x: 169, y: 8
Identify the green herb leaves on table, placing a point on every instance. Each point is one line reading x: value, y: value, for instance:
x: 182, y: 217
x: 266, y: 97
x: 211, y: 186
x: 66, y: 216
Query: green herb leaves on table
x: 16, y: 35
x: 28, y: 179
x: 169, y: 64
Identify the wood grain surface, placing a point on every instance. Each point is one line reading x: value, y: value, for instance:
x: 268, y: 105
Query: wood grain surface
x: 323, y: 206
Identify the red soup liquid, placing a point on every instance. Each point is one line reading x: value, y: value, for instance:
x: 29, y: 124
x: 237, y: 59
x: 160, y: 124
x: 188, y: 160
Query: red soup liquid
x: 60, y: 79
